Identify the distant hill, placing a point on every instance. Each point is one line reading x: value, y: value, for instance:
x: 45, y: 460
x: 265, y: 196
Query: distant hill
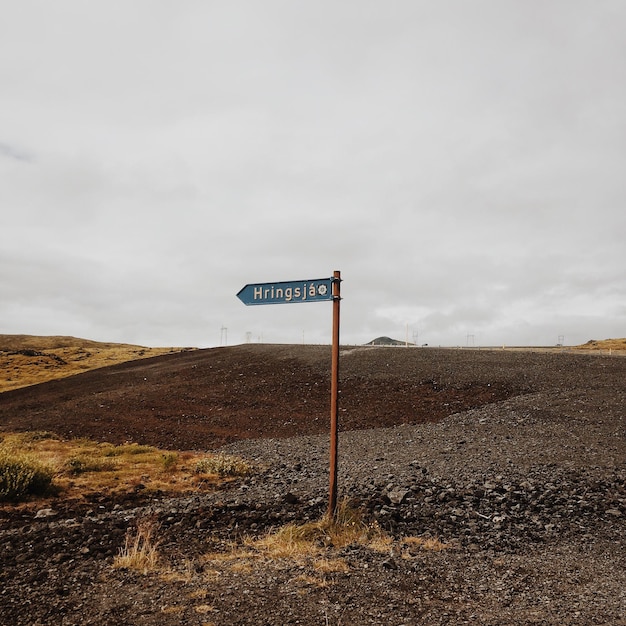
x: 604, y: 344
x: 51, y: 342
x: 386, y: 341
x: 30, y: 359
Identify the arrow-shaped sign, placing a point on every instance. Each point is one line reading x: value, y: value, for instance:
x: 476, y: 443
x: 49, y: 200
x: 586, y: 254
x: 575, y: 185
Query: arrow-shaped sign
x: 310, y: 291
x: 287, y: 292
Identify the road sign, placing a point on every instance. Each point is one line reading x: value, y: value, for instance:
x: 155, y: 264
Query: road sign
x: 287, y: 292
x: 310, y: 291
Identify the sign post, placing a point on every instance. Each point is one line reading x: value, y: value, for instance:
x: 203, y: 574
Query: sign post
x: 287, y: 292
x: 334, y: 398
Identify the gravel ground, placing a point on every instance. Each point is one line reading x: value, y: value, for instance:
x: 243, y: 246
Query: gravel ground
x: 531, y: 491
x: 527, y: 494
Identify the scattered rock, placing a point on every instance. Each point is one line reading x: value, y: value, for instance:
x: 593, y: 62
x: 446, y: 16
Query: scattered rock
x: 397, y: 496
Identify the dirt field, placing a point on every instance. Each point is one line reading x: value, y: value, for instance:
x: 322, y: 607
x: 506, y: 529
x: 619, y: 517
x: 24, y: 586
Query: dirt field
x: 206, y: 398
x: 512, y: 463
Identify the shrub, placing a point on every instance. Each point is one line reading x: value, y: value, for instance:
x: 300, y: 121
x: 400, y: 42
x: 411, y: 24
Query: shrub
x: 21, y: 476
x: 169, y: 461
x: 222, y: 465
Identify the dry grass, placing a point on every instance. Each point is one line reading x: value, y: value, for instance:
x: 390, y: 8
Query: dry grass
x: 314, y: 545
x: 412, y: 544
x: 172, y: 610
x: 223, y: 465
x: 330, y: 566
x: 140, y: 551
x: 306, y: 580
x: 28, y: 360
x: 81, y: 467
x: 311, y: 539
x: 605, y: 344
x: 305, y: 544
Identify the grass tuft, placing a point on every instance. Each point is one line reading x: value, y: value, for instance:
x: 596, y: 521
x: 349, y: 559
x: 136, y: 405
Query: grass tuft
x: 223, y: 465
x: 431, y: 544
x: 22, y: 476
x: 347, y: 527
x: 307, y: 544
x: 169, y: 461
x: 140, y: 551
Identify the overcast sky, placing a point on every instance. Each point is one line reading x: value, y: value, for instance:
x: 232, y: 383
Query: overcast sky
x: 461, y: 162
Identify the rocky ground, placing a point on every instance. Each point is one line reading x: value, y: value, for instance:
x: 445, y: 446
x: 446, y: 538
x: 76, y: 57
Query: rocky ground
x: 513, y: 462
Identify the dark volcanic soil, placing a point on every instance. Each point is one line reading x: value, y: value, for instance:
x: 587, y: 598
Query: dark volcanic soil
x: 205, y: 398
x: 516, y: 460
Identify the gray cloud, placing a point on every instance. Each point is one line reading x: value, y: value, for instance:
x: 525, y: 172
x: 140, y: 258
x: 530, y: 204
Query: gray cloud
x: 460, y: 163
x: 12, y: 152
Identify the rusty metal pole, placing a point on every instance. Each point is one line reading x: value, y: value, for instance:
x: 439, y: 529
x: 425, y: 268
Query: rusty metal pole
x: 334, y: 397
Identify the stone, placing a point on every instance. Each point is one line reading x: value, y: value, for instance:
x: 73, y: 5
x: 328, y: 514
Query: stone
x: 291, y: 498
x: 397, y: 496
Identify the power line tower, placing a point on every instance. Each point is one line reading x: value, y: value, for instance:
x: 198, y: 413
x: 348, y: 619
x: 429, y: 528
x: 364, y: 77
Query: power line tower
x: 248, y: 337
x: 224, y: 336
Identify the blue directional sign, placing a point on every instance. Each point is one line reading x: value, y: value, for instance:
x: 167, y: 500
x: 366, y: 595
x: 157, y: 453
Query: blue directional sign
x: 287, y: 292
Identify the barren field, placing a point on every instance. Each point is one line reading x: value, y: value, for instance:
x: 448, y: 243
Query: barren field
x: 483, y: 487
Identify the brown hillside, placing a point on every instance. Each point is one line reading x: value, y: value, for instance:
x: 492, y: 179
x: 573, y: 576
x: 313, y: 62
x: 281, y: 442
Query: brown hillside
x: 52, y: 342
x: 605, y: 344
x: 27, y: 359
x: 205, y: 398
